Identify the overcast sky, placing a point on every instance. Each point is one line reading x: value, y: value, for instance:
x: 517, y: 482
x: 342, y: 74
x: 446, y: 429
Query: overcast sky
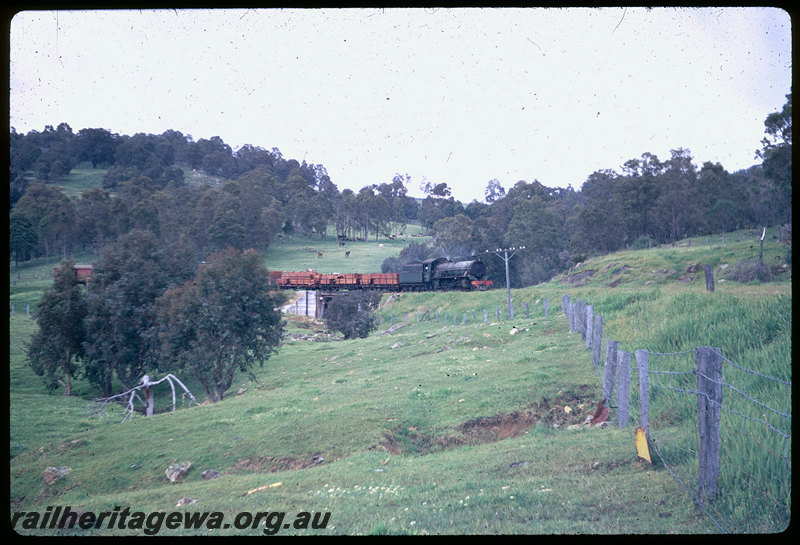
x: 460, y: 96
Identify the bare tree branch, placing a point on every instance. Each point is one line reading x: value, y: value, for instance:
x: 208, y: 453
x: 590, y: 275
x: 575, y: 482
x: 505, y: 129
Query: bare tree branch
x: 132, y: 395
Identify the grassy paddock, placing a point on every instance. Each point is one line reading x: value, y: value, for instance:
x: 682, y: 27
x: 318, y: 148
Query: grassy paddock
x: 430, y: 428
x: 299, y: 253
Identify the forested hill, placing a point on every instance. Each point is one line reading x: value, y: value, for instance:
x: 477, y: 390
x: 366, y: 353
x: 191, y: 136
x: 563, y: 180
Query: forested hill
x: 207, y: 197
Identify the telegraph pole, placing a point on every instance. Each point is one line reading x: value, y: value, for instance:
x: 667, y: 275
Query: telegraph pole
x: 505, y: 257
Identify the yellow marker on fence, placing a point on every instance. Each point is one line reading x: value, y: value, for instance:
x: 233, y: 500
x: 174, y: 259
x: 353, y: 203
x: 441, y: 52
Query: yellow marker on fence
x: 642, y: 449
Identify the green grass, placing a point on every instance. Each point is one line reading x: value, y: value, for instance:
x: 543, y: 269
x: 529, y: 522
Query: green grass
x: 299, y: 253
x: 432, y: 428
x: 81, y: 179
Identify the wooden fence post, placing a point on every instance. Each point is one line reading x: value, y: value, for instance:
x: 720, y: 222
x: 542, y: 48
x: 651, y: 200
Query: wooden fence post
x: 589, y: 326
x: 598, y: 340
x: 709, y: 270
x: 708, y: 364
x: 610, y: 371
x: 573, y: 310
x: 527, y: 311
x: 485, y: 316
x: 568, y: 312
x: 642, y: 357
x: 544, y: 303
x: 623, y: 387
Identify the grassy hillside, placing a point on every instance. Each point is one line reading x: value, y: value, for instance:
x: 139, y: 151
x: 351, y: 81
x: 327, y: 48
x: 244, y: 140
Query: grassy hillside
x: 301, y: 253
x: 425, y: 428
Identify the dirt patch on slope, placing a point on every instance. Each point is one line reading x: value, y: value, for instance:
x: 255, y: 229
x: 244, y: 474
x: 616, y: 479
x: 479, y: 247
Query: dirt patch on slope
x: 559, y: 412
x: 502, y: 426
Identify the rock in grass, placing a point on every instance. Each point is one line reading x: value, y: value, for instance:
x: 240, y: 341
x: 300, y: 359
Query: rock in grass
x: 52, y: 474
x: 209, y: 474
x: 176, y: 471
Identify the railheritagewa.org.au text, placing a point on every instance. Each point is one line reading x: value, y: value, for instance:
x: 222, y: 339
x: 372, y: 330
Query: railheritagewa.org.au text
x: 152, y: 523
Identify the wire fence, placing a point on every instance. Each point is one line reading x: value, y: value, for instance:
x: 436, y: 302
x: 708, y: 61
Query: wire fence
x: 483, y: 316
x: 722, y: 430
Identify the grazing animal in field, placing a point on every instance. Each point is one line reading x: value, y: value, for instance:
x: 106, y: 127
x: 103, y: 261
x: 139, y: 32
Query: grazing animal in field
x: 347, y: 253
x: 341, y: 243
x: 319, y: 254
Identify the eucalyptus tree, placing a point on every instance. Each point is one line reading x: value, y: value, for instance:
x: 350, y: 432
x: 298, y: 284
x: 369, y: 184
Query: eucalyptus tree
x: 95, y: 218
x: 21, y: 238
x: 121, y: 334
x: 678, y: 204
x: 777, y: 157
x: 353, y: 313
x: 52, y: 215
x: 97, y: 146
x: 226, y: 320
x: 56, y: 347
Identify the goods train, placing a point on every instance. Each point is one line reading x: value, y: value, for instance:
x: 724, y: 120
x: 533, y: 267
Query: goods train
x: 431, y: 274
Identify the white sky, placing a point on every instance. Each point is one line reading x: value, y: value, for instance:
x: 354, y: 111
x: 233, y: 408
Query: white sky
x: 460, y: 96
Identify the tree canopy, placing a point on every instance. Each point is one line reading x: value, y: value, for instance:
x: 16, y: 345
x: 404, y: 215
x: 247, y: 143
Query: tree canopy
x: 226, y: 319
x: 57, y: 345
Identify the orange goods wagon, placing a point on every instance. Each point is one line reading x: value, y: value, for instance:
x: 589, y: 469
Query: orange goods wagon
x: 348, y: 279
x: 299, y: 279
x: 381, y: 279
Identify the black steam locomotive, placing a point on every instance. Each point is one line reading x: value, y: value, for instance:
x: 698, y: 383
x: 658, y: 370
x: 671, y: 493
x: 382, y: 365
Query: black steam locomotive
x: 443, y: 274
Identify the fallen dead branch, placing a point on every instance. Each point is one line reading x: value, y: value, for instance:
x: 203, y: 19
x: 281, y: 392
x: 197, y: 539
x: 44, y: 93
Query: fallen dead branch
x: 129, y: 397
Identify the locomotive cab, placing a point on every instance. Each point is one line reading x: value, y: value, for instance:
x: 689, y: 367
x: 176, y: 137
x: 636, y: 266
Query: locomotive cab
x: 419, y: 274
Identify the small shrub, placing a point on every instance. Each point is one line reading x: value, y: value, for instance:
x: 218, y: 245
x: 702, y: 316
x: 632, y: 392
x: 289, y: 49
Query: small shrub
x: 751, y: 269
x: 353, y: 313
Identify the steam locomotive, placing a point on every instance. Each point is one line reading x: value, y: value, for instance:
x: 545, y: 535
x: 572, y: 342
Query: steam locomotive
x: 432, y: 274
